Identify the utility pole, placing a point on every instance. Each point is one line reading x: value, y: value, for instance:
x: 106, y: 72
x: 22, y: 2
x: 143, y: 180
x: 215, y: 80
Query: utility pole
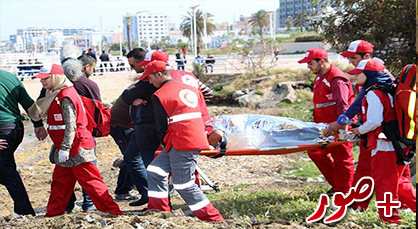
x: 205, y: 30
x: 120, y: 40
x: 194, y: 29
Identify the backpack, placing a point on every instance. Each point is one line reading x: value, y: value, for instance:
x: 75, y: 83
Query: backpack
x: 403, y: 131
x: 98, y: 116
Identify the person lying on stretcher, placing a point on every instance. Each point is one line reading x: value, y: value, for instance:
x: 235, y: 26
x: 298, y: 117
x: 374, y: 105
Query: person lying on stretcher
x: 247, y: 131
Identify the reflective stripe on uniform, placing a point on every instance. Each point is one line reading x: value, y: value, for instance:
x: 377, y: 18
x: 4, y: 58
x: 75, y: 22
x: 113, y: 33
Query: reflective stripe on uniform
x: 158, y: 195
x: 411, y: 110
x: 55, y: 127
x: 322, y: 105
x: 186, y: 116
x: 199, y: 205
x: 326, y: 82
x: 157, y: 170
x: 184, y: 186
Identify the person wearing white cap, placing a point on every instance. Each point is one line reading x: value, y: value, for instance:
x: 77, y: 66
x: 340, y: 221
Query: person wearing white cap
x: 378, y: 109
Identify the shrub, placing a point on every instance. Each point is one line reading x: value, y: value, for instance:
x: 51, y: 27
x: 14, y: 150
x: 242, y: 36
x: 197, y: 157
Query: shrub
x: 309, y: 38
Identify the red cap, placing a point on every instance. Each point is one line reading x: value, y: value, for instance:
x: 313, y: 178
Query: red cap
x: 153, y: 67
x: 316, y: 53
x: 154, y: 55
x: 368, y: 65
x: 48, y: 70
x: 358, y: 46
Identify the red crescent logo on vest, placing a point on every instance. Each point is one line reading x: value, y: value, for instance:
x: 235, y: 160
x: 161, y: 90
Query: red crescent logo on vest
x: 189, y: 98
x: 189, y: 80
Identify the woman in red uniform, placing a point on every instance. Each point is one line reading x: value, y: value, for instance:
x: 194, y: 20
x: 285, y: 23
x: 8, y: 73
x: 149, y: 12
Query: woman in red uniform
x: 67, y: 121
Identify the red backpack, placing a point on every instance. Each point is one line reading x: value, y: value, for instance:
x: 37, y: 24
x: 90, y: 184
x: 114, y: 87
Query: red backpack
x: 405, y: 104
x: 403, y: 131
x: 98, y: 116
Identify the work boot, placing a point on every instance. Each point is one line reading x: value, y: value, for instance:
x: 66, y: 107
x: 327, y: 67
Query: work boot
x: 330, y: 192
x: 142, y: 201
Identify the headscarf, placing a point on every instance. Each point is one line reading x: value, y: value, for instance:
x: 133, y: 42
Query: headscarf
x: 40, y: 108
x: 382, y: 79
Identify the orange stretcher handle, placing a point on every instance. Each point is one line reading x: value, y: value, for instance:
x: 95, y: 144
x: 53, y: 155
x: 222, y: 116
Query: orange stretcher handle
x: 271, y: 151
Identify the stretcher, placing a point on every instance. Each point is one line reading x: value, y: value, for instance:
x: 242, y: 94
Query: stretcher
x: 271, y: 150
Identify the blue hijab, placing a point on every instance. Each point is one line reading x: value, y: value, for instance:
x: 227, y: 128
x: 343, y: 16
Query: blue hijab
x: 381, y: 79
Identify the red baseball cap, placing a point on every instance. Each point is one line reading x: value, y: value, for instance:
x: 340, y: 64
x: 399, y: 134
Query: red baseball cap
x: 154, y: 55
x: 48, y: 70
x: 316, y: 53
x: 368, y: 65
x: 153, y: 67
x: 358, y: 46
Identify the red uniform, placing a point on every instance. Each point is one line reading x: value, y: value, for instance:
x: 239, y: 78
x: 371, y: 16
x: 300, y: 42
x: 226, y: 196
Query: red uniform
x: 339, y: 169
x: 386, y: 173
x: 87, y: 174
x: 184, y: 138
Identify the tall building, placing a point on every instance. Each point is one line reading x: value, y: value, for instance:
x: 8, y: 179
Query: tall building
x: 291, y: 8
x: 145, y: 25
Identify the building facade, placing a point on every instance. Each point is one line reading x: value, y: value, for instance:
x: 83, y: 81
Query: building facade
x: 146, y: 26
x: 290, y: 9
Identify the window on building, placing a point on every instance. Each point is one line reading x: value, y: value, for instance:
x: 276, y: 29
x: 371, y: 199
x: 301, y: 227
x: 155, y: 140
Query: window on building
x: 155, y: 16
x: 156, y: 21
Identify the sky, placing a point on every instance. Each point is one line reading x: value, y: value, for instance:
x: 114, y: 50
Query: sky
x: 108, y: 14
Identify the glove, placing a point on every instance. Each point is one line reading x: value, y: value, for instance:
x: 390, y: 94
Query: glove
x: 63, y: 155
x: 343, y: 120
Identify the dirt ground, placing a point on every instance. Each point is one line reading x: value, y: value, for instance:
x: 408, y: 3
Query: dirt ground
x: 36, y: 172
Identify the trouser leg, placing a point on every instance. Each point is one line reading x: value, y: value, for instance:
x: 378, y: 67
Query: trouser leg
x: 183, y: 167
x: 121, y: 135
x: 343, y: 169
x: 363, y: 170
x: 62, y: 187
x: 386, y: 173
x: 9, y: 177
x: 324, y: 162
x: 90, y: 180
x: 158, y: 172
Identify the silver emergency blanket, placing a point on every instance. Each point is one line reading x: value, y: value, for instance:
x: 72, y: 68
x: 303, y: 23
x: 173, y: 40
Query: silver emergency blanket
x: 247, y: 131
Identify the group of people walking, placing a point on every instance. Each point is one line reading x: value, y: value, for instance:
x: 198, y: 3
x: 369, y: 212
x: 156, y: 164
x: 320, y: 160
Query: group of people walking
x: 165, y: 109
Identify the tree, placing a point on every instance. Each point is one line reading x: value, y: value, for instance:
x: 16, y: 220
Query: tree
x: 259, y: 20
x: 129, y: 21
x: 388, y: 24
x: 289, y: 23
x: 187, y: 24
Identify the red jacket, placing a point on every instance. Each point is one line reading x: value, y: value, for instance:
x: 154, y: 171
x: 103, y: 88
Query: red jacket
x: 325, y: 109
x: 56, y: 125
x: 191, y: 80
x: 389, y: 114
x: 186, y: 130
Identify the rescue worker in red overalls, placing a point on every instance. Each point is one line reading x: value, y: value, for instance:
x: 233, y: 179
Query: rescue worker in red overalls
x: 332, y: 95
x: 357, y: 51
x: 377, y: 107
x: 67, y: 121
x: 181, y: 130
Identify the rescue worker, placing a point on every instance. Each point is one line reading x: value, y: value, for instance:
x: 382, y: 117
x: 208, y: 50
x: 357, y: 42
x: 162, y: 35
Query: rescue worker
x: 357, y: 51
x: 140, y: 97
x: 332, y: 95
x: 378, y: 108
x: 183, y: 137
x: 74, y: 144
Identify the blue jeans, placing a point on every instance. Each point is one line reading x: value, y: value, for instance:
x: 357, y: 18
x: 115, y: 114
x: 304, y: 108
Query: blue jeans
x: 140, y: 152
x: 122, y: 135
x: 9, y: 177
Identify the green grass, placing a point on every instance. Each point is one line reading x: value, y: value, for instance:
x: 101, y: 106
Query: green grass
x: 304, y: 170
x: 298, y: 110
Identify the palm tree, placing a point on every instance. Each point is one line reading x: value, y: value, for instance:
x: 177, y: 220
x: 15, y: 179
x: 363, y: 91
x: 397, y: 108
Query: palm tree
x: 129, y: 21
x: 186, y: 25
x: 260, y: 20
